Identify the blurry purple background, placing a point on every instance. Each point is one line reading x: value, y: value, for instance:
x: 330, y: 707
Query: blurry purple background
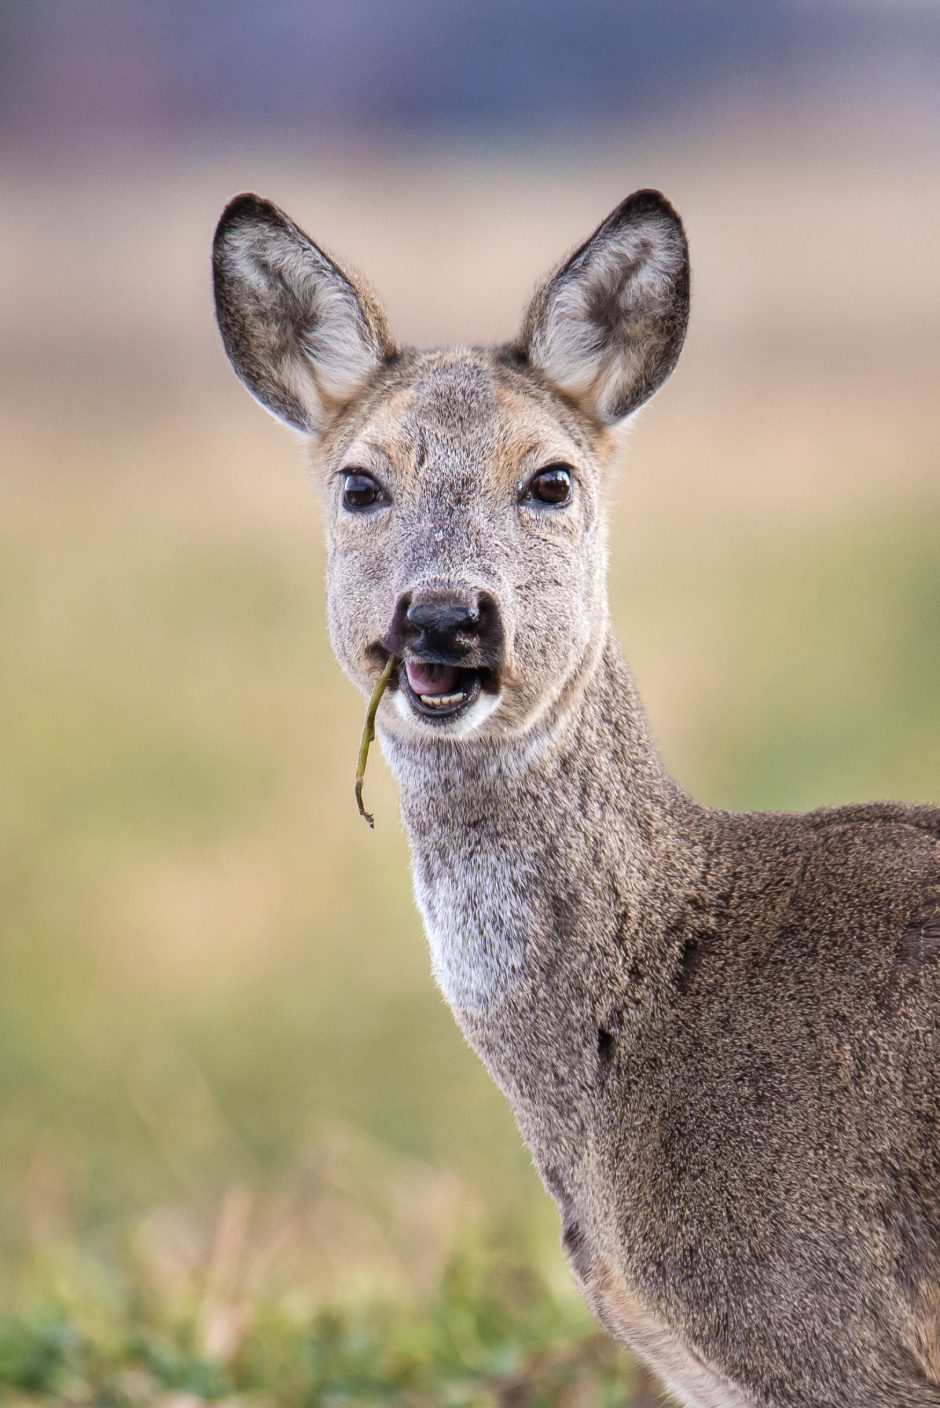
x: 114, y: 70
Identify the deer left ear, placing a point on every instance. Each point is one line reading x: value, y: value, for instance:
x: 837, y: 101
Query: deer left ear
x: 302, y: 334
x: 608, y: 327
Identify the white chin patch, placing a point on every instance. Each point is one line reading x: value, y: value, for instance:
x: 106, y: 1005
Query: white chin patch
x: 461, y: 726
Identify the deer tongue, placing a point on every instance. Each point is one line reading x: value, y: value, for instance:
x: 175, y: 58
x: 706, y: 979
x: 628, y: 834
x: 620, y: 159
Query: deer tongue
x: 432, y: 679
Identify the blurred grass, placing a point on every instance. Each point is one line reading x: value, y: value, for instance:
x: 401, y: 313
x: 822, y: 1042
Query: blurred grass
x: 246, y: 1155
x: 491, y: 1333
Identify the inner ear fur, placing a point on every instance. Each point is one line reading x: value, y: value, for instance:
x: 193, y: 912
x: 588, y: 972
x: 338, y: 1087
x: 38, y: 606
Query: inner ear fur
x: 607, y: 328
x: 301, y: 333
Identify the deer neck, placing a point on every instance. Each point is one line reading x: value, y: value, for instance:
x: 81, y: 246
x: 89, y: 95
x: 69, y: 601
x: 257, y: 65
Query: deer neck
x: 571, y: 842
x: 550, y: 871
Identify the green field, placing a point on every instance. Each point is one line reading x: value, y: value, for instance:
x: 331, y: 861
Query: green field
x: 246, y: 1156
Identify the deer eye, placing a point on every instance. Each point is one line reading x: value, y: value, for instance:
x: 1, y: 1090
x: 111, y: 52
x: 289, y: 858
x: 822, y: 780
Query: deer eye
x: 552, y: 485
x: 360, y: 490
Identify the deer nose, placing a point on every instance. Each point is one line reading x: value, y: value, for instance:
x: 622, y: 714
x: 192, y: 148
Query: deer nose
x: 443, y: 616
x: 453, y: 623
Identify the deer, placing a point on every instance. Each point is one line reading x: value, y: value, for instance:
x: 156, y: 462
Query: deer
x: 718, y: 1032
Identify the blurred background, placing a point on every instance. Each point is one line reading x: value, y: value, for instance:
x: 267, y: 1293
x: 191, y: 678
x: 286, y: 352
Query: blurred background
x: 246, y: 1157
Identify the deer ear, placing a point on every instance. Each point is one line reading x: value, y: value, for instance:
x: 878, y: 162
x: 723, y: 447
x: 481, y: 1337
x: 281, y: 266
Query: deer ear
x: 303, y: 337
x: 608, y: 326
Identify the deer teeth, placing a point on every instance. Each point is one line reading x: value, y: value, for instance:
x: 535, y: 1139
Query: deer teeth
x: 442, y: 701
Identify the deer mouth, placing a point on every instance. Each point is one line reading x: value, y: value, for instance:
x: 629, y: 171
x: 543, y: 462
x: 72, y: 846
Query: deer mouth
x: 439, y: 691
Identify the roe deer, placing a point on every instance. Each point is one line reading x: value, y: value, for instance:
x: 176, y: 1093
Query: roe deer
x: 718, y: 1032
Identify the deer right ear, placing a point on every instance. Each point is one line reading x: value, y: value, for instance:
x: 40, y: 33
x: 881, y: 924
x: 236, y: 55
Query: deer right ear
x: 608, y: 327
x: 302, y: 336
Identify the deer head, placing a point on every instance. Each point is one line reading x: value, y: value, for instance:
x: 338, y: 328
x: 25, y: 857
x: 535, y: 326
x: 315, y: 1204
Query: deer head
x: 463, y: 490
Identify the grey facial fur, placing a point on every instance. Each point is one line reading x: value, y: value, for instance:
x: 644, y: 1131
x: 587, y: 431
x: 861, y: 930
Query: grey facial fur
x: 719, y: 1033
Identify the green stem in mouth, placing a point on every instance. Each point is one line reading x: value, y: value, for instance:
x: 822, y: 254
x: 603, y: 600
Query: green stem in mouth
x: 368, y: 733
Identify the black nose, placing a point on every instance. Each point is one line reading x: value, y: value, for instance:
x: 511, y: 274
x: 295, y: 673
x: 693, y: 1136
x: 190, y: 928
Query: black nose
x: 443, y: 616
x: 454, y: 624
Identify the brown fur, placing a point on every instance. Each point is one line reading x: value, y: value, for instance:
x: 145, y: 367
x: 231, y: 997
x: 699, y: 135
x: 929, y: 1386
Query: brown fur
x: 719, y: 1033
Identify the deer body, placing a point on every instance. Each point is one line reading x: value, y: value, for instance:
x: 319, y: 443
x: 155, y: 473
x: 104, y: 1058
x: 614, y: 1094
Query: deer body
x: 719, y: 1033
x: 641, y: 977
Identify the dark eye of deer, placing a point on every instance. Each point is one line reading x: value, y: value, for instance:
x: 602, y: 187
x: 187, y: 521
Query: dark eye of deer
x: 360, y: 490
x: 551, y: 485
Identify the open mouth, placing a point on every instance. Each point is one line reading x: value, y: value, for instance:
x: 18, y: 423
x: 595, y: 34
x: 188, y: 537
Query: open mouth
x: 440, y: 691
